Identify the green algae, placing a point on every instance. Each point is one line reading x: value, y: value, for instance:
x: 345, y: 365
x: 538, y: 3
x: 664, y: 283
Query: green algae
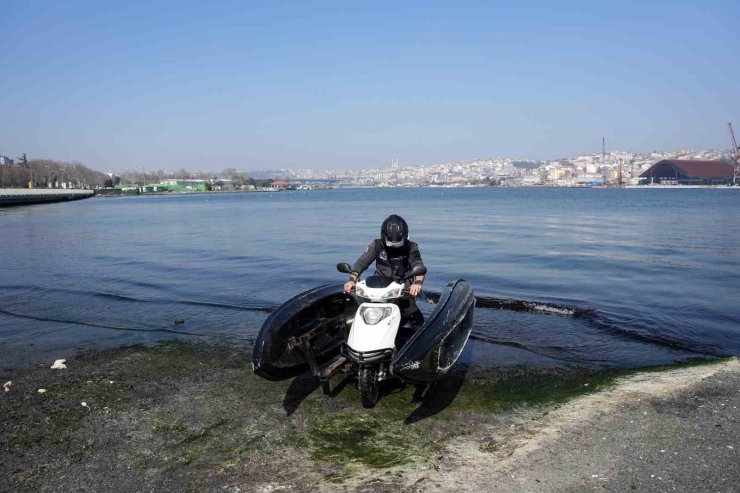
x: 527, y: 388
x: 226, y: 418
x: 204, y: 431
x: 53, y: 417
x: 411, y: 424
x: 163, y: 426
x: 374, y: 440
x: 486, y: 390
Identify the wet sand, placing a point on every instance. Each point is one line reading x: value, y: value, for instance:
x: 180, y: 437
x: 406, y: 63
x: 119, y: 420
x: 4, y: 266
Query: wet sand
x: 187, y: 417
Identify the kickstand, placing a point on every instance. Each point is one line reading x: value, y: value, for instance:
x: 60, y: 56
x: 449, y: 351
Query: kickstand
x: 323, y: 373
x: 310, y: 358
x: 315, y: 370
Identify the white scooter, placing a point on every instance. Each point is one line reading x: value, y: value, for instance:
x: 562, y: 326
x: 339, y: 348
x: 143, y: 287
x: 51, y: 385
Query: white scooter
x: 371, y: 343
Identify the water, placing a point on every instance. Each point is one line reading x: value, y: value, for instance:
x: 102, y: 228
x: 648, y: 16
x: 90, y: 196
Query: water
x: 564, y: 277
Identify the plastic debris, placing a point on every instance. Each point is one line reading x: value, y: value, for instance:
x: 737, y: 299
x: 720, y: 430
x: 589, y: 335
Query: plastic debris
x: 59, y: 364
x: 6, y: 385
x: 179, y: 321
x: 41, y: 391
x: 83, y: 403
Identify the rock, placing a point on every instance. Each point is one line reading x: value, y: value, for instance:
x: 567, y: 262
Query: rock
x: 59, y: 364
x: 6, y: 385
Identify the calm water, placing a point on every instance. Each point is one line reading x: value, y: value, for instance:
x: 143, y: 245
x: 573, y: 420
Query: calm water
x: 582, y: 277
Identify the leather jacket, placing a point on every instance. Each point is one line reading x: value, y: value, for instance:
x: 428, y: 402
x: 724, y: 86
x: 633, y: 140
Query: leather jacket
x: 389, y: 262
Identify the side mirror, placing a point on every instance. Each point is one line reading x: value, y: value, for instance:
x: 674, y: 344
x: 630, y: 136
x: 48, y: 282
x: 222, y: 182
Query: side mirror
x: 418, y: 270
x: 344, y: 267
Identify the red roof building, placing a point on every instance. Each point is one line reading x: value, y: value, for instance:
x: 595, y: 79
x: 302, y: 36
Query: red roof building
x: 689, y: 172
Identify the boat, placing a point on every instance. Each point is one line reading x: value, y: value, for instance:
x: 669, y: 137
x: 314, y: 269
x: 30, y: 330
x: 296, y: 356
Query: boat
x: 309, y: 326
x: 435, y: 348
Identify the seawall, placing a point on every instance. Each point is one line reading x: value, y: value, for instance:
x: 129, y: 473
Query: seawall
x: 25, y: 196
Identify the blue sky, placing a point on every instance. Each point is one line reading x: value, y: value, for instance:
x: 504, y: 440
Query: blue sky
x: 257, y: 85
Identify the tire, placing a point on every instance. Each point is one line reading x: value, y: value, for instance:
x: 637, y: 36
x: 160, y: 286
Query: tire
x: 367, y: 382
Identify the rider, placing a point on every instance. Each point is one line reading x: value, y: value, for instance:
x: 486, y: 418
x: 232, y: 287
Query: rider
x: 394, y: 255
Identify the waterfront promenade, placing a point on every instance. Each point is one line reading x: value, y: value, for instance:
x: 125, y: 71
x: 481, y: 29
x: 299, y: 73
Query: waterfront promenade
x: 25, y: 196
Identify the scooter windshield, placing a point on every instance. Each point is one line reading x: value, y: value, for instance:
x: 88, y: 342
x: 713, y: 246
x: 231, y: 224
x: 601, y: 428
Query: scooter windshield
x: 378, y: 282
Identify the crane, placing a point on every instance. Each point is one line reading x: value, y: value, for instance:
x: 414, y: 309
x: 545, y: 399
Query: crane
x: 736, y: 155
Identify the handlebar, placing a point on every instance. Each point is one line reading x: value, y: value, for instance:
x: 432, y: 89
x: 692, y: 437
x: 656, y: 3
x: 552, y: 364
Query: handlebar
x: 404, y: 291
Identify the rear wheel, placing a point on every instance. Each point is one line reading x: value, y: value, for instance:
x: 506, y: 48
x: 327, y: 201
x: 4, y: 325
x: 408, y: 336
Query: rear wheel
x: 367, y: 381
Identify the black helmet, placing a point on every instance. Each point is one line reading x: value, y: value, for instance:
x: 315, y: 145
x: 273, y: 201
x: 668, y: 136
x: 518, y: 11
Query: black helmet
x: 394, y: 232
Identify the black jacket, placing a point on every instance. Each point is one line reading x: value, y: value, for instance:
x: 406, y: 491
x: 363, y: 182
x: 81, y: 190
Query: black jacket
x: 389, y: 262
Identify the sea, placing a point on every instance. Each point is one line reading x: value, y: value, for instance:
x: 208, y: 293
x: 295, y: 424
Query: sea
x: 593, y: 277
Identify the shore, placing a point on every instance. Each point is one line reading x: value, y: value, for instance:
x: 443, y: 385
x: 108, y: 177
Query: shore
x: 188, y: 417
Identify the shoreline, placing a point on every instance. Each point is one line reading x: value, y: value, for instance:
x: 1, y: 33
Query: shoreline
x: 29, y: 196
x: 647, y: 432
x: 193, y: 416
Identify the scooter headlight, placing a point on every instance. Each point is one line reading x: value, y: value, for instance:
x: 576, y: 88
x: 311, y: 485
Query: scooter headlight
x: 372, y: 315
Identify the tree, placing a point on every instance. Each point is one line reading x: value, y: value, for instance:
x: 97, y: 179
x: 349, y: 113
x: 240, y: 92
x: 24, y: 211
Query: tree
x: 49, y: 173
x: 238, y: 178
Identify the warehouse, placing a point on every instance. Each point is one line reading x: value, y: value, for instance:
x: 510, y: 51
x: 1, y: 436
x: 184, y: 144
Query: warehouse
x: 688, y: 172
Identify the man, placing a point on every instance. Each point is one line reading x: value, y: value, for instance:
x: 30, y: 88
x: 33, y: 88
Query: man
x: 394, y: 255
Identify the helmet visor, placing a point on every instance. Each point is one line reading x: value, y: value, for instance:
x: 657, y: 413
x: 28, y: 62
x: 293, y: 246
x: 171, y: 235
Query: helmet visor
x: 394, y: 244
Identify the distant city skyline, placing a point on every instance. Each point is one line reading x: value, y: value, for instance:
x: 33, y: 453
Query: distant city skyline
x: 335, y: 85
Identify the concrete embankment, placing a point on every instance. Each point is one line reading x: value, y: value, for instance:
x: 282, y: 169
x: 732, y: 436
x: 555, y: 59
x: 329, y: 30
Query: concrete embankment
x: 26, y: 196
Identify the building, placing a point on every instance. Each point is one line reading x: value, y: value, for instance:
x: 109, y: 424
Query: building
x: 6, y: 161
x: 689, y: 172
x: 183, y: 184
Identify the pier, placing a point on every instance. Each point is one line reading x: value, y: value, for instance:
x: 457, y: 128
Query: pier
x: 26, y: 196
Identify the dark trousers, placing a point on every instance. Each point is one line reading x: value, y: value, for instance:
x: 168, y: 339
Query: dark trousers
x: 411, y: 316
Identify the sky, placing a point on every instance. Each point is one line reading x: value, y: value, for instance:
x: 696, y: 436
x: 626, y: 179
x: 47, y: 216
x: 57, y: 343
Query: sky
x: 319, y: 84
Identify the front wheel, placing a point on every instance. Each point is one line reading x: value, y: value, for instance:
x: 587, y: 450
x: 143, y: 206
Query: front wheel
x: 367, y: 381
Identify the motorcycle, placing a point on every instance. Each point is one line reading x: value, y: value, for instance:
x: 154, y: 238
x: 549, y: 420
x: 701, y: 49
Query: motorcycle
x: 371, y: 343
x: 363, y: 334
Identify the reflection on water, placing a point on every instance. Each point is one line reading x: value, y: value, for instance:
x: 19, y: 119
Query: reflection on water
x: 586, y: 277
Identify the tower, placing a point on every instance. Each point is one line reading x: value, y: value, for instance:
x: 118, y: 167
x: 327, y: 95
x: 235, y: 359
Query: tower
x: 603, y: 149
